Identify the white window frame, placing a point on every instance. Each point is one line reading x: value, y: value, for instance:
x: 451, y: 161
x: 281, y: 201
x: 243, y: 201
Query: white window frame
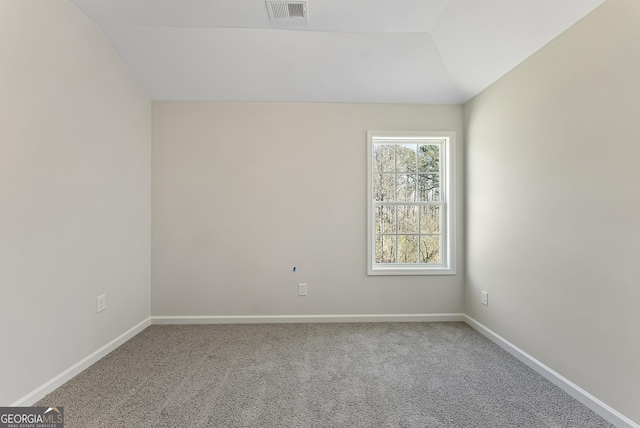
x: 447, y: 196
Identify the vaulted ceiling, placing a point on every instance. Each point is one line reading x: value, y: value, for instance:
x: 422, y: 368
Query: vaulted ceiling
x: 382, y: 51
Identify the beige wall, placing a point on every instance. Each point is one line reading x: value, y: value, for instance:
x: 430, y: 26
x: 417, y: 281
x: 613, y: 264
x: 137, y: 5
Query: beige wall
x: 242, y: 192
x: 74, y: 193
x: 553, y: 205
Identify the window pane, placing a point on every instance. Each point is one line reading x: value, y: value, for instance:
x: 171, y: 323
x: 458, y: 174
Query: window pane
x: 385, y: 249
x: 407, y: 219
x: 428, y: 158
x: 383, y: 187
x: 406, y: 154
x: 384, y: 159
x: 385, y: 219
x: 407, y: 249
x: 429, y: 187
x: 429, y: 219
x: 430, y: 249
x: 406, y: 187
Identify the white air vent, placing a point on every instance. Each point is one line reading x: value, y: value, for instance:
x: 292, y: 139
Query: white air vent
x: 287, y: 10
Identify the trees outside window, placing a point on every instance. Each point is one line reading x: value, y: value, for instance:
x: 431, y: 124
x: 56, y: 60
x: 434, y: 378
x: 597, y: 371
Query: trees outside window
x: 410, y: 203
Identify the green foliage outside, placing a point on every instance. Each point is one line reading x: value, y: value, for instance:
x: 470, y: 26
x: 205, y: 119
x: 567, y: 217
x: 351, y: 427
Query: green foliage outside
x: 407, y: 233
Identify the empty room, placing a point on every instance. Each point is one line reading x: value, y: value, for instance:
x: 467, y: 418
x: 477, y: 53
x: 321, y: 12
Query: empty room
x: 320, y: 213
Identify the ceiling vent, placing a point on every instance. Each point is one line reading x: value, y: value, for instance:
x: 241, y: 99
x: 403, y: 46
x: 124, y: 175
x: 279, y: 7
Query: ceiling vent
x: 287, y: 10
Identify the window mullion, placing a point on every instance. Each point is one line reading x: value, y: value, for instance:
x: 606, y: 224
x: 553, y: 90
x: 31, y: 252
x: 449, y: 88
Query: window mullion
x: 412, y: 203
x: 395, y: 194
x: 419, y: 234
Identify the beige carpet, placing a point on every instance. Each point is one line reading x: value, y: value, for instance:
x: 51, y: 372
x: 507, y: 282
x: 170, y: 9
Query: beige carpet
x: 315, y: 375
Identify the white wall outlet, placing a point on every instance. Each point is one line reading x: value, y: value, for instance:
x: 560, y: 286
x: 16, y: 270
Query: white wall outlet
x: 485, y: 298
x: 101, y: 302
x: 302, y: 289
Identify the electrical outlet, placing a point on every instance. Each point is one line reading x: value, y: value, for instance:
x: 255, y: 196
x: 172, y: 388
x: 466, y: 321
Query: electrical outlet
x: 485, y: 298
x: 101, y: 303
x: 302, y: 289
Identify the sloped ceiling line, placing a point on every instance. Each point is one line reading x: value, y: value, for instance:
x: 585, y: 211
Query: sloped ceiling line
x: 417, y: 51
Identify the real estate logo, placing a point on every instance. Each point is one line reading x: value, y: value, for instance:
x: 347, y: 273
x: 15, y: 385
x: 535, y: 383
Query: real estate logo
x: 31, y: 417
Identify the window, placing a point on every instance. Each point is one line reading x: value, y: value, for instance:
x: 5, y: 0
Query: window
x: 410, y: 215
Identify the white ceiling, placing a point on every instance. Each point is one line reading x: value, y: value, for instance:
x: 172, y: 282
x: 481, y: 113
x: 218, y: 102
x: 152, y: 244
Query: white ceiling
x: 382, y: 51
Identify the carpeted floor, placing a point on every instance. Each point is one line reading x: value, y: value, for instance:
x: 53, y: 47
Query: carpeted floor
x: 315, y: 375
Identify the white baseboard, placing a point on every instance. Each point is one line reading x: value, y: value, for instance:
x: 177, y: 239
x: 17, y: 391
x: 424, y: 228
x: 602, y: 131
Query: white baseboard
x: 263, y: 319
x: 39, y: 393
x: 602, y: 409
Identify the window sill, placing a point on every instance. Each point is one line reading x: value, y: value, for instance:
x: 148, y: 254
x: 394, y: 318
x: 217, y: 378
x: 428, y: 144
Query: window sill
x: 410, y: 270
